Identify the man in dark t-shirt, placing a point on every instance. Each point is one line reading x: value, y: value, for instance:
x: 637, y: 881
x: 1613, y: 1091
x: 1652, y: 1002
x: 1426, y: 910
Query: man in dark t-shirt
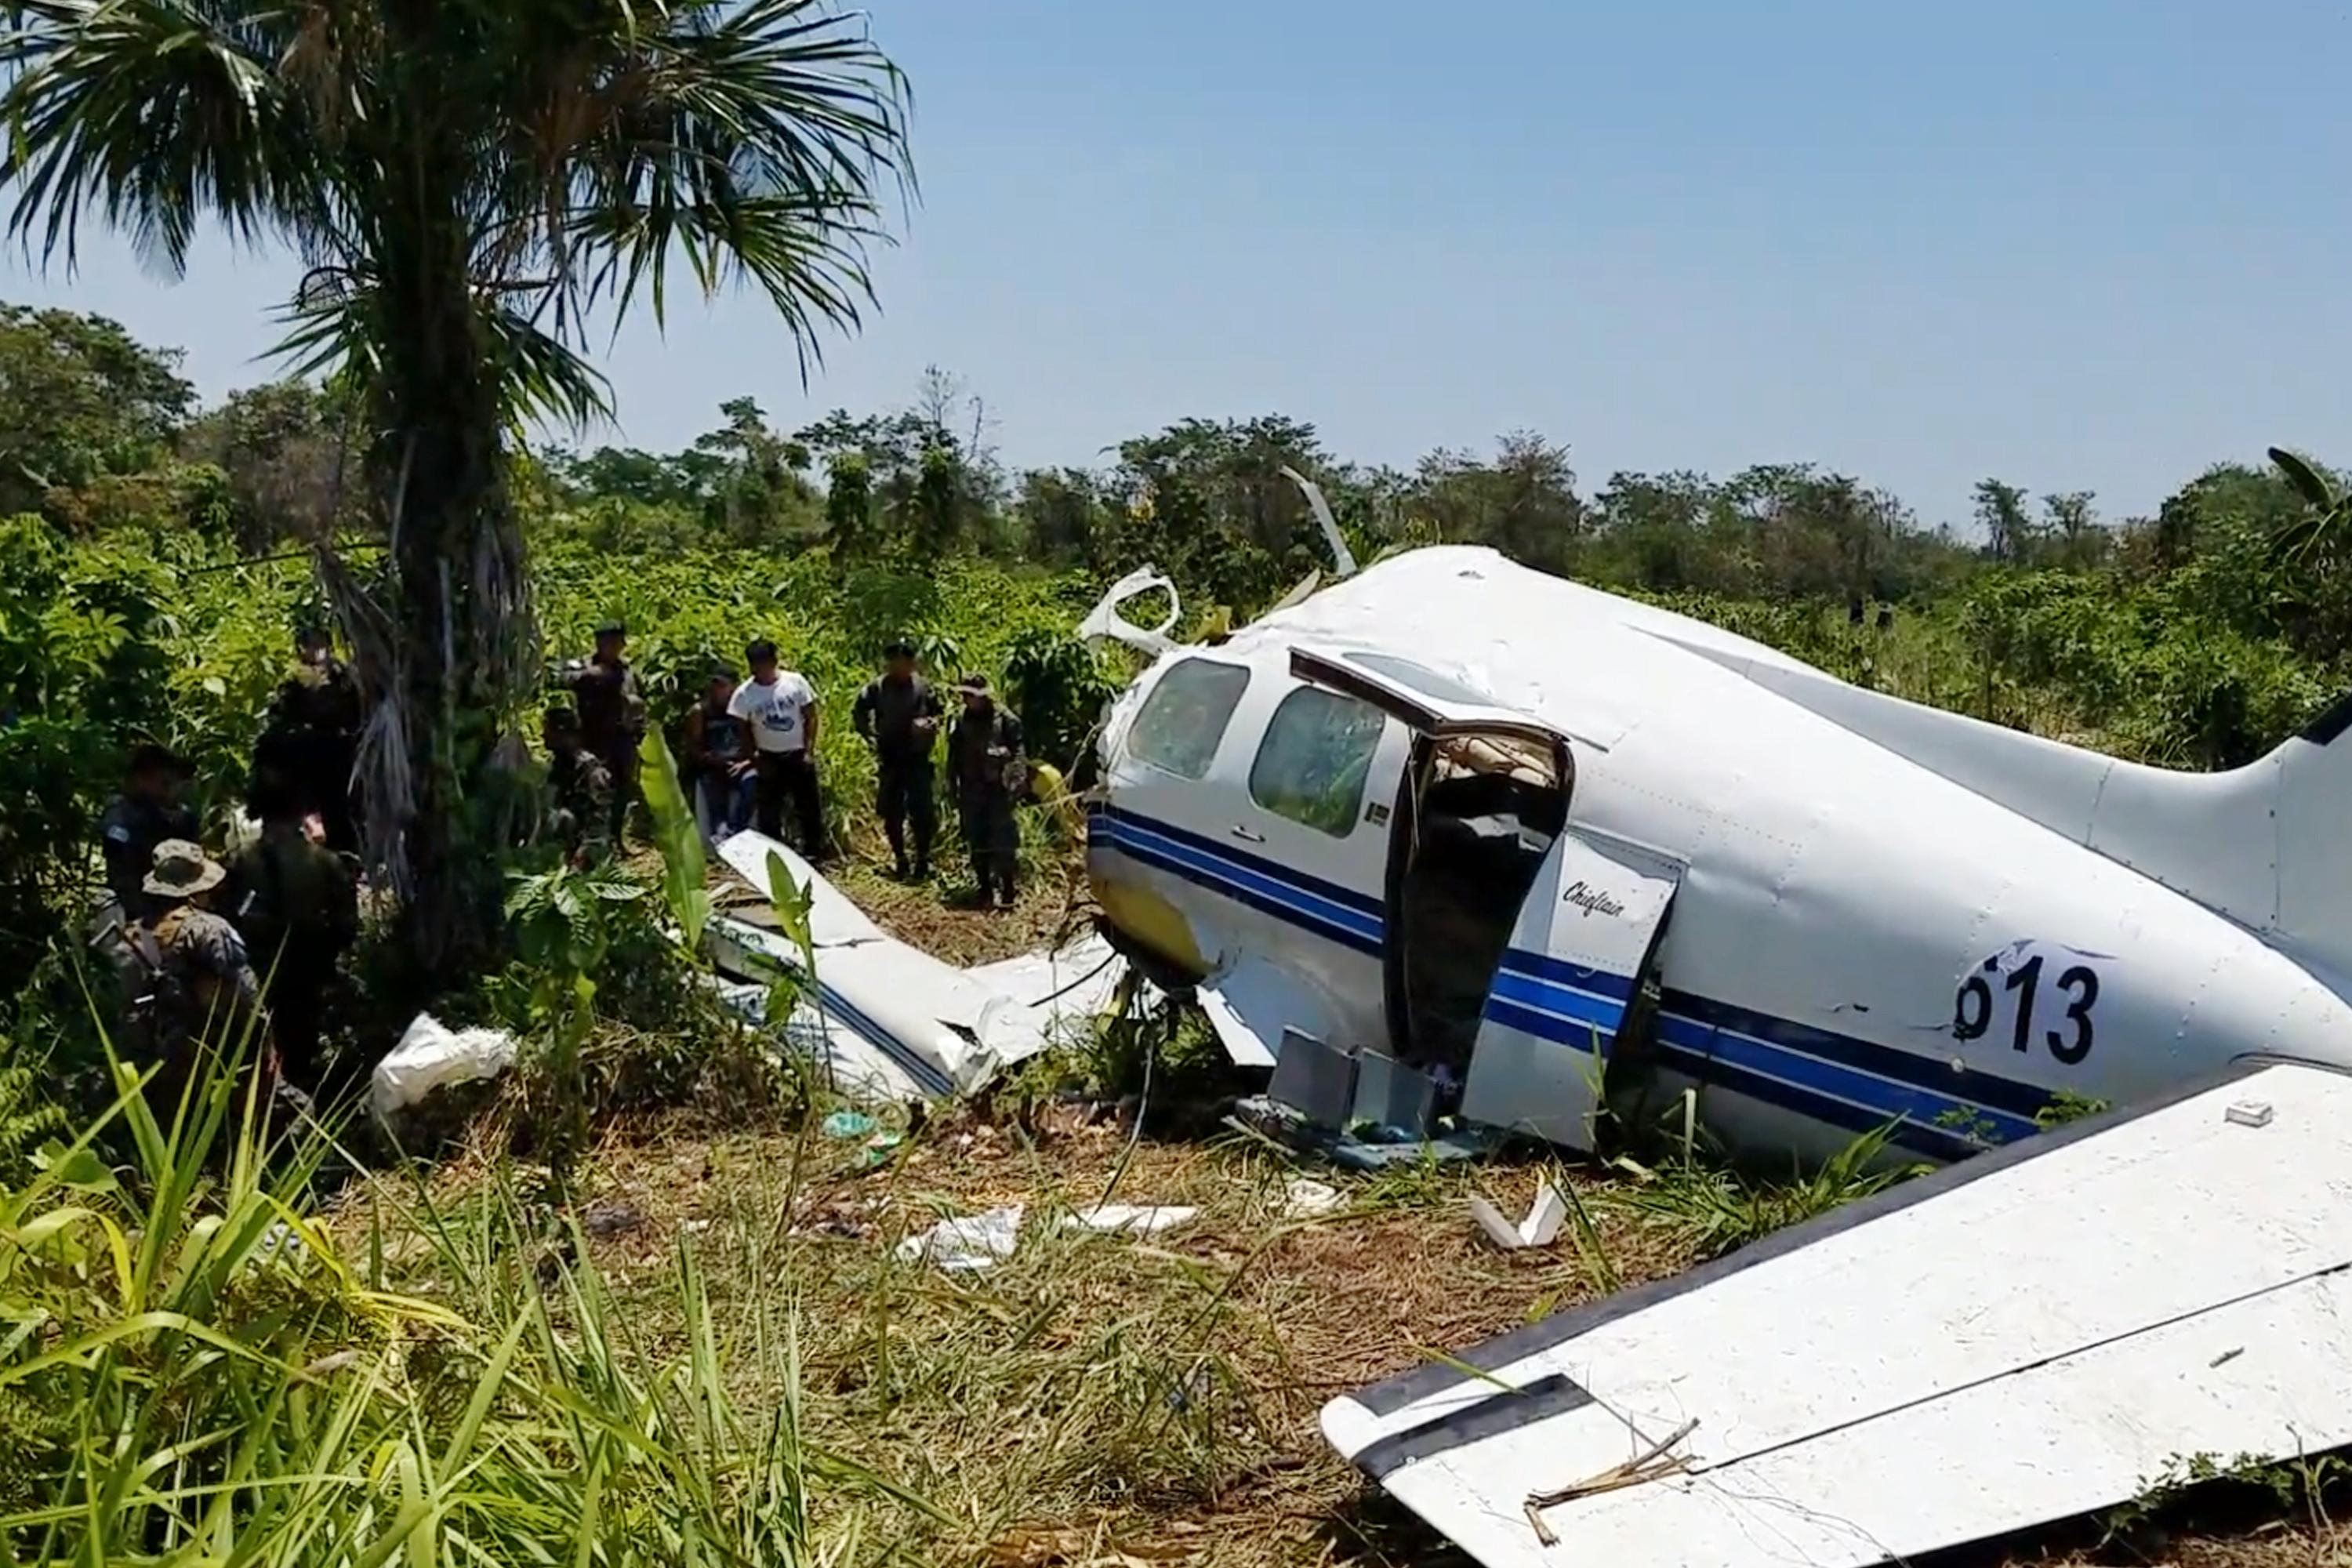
x: 898, y: 714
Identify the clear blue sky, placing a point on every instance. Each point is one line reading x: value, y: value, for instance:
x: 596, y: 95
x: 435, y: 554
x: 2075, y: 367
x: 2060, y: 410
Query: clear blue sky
x: 2077, y: 243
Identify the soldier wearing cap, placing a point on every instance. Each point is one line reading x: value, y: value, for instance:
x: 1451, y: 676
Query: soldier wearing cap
x: 147, y: 812
x: 313, y: 736
x: 201, y: 992
x: 612, y: 716
x: 580, y: 790
x: 986, y: 767
x: 898, y: 714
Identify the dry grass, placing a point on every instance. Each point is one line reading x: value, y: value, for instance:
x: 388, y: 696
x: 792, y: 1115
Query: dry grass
x: 1103, y: 1402
x: 932, y: 916
x: 1158, y: 1393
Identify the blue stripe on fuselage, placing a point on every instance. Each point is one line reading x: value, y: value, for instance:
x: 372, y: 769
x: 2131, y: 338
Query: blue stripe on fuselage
x: 1225, y: 875
x: 1837, y: 1078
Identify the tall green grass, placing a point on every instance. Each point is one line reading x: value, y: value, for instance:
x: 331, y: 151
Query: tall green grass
x: 192, y: 1371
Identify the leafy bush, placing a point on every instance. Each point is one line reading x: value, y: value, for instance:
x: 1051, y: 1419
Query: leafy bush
x: 25, y: 1117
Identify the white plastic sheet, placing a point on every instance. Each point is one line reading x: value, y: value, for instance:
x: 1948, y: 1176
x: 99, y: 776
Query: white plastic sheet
x: 430, y: 1056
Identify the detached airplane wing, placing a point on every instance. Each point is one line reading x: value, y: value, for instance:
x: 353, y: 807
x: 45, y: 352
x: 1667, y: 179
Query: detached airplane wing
x: 2026, y: 1336
x: 891, y: 1018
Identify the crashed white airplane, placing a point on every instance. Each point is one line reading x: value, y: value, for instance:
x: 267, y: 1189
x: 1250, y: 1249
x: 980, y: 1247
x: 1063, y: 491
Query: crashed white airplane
x: 1455, y: 837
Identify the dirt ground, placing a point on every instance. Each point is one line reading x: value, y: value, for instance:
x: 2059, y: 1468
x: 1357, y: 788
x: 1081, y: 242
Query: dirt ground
x: 1111, y: 1402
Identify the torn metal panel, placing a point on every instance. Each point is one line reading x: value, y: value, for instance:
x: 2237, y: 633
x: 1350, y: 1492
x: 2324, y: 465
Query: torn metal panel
x: 1104, y: 621
x: 1250, y: 1006
x: 1049, y: 997
x: 834, y: 920
x: 1341, y: 555
x: 2026, y: 1337
x: 897, y: 1019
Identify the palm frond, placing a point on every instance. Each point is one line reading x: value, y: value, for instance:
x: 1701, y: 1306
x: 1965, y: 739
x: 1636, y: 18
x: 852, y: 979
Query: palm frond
x: 747, y: 140
x: 335, y: 325
x: 153, y: 115
x: 2326, y: 520
x: 2307, y: 481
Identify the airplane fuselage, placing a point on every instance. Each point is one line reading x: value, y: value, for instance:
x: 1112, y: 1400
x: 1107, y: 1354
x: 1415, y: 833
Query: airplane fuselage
x: 1703, y: 886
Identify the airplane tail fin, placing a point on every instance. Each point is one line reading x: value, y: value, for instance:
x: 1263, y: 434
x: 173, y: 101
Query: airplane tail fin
x: 2268, y: 845
x: 2308, y: 814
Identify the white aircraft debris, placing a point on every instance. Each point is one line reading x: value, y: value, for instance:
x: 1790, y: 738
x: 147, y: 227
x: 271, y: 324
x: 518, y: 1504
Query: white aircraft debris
x: 1245, y: 1045
x: 1304, y: 1197
x: 1540, y: 1229
x: 966, y: 1245
x: 890, y: 1019
x: 2020, y: 1338
x: 1133, y: 1219
x: 1105, y: 622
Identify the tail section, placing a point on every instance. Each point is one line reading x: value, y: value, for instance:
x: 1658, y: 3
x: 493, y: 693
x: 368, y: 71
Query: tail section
x: 2268, y: 845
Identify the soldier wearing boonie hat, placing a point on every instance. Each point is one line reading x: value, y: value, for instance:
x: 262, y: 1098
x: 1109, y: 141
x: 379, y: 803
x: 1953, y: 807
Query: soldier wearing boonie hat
x: 203, y: 989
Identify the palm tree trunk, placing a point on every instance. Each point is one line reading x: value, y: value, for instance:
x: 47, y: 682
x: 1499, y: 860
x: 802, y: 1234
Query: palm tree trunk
x: 466, y: 642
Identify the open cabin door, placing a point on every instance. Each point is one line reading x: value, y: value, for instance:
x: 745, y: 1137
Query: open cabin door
x: 1584, y: 910
x: 1584, y: 944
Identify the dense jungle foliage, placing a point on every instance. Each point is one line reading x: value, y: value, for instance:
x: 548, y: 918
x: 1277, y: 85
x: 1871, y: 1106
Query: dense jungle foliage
x: 154, y: 566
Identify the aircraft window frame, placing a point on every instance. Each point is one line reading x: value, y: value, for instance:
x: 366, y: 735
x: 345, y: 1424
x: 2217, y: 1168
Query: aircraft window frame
x: 1368, y: 726
x: 1166, y: 691
x: 1422, y: 680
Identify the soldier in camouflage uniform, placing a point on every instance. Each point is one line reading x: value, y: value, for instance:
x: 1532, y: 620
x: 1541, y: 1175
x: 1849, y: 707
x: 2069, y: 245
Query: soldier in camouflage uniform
x: 579, y: 791
x: 313, y: 735
x: 147, y: 812
x: 296, y: 904
x: 201, y: 997
x: 986, y: 765
x: 612, y: 716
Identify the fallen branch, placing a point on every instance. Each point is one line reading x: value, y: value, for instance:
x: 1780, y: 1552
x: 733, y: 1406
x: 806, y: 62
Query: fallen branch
x: 1648, y: 1466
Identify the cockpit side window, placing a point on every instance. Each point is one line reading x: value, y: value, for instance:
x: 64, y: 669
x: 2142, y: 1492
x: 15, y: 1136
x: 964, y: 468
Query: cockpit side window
x: 1317, y: 753
x: 1181, y: 723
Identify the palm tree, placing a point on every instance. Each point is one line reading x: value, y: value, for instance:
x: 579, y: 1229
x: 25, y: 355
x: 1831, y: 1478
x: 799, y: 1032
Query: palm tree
x: 469, y: 184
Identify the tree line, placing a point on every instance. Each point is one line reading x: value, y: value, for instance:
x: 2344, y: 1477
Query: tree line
x: 98, y: 430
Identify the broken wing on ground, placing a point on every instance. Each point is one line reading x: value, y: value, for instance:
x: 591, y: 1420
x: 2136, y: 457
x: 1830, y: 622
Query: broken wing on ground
x: 887, y: 1020
x: 2024, y: 1337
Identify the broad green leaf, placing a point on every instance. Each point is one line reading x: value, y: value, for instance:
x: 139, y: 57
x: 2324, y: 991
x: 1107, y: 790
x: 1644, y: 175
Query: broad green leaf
x: 2308, y: 482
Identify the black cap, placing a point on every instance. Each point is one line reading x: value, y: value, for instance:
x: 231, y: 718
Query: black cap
x: 611, y: 626
x: 973, y: 685
x: 562, y: 716
x: 899, y: 648
x: 722, y: 670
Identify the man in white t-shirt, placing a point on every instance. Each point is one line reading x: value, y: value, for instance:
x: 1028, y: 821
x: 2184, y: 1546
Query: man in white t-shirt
x: 780, y: 708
